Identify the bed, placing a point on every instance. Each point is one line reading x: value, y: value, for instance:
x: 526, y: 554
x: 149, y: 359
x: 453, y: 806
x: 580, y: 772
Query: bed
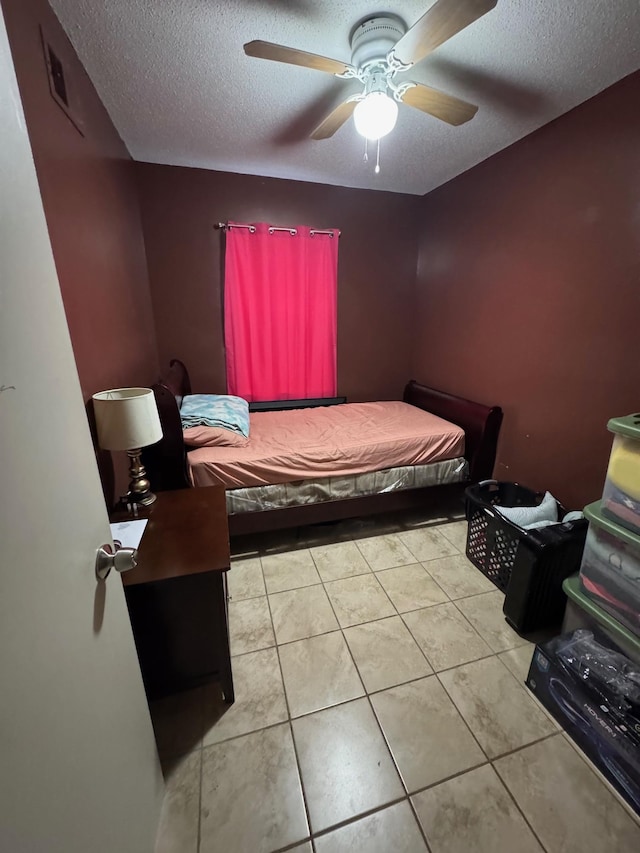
x: 264, y: 497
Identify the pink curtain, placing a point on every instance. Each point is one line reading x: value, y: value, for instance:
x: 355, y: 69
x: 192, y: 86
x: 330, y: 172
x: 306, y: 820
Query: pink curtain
x: 280, y: 313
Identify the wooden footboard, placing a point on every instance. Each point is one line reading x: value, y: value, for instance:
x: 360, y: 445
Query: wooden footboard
x: 481, y: 424
x: 166, y: 461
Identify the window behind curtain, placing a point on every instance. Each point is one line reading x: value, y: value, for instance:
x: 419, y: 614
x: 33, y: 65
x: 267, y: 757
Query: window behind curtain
x: 280, y: 313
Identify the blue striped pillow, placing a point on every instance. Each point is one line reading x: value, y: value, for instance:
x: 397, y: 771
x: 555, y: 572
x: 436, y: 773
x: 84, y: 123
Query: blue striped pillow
x: 216, y: 410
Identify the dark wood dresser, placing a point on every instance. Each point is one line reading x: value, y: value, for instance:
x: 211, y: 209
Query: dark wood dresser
x: 177, y: 594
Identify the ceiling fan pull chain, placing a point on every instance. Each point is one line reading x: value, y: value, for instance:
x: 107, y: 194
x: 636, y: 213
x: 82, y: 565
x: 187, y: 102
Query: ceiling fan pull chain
x: 366, y: 152
x: 377, y: 169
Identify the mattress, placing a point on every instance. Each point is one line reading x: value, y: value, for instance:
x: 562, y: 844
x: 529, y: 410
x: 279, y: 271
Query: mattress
x: 328, y: 441
x: 258, y: 498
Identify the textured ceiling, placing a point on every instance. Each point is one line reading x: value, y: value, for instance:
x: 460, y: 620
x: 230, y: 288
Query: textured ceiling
x: 180, y: 90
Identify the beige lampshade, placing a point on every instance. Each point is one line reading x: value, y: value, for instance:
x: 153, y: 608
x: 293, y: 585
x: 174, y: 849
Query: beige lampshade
x: 127, y: 418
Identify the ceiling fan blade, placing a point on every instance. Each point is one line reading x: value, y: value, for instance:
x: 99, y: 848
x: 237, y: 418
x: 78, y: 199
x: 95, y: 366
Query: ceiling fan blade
x: 292, y: 56
x: 438, y: 104
x: 442, y: 21
x: 335, y: 119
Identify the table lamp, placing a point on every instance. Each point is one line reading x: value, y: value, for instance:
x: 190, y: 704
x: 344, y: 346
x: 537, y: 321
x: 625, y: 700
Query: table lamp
x: 128, y: 419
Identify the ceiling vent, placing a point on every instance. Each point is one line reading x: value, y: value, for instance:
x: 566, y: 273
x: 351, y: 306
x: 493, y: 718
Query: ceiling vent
x: 56, y: 76
x: 60, y: 86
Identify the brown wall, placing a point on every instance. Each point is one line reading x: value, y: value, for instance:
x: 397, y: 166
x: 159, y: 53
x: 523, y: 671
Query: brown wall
x: 91, y: 206
x: 529, y: 291
x: 90, y: 202
x: 376, y: 268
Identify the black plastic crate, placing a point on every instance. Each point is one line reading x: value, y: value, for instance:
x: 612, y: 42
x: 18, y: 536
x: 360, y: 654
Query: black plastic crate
x: 529, y: 566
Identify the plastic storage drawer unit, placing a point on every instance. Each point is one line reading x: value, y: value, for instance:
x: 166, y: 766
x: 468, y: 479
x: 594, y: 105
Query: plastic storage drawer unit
x: 610, y: 570
x: 583, y: 612
x: 621, y: 496
x: 529, y: 566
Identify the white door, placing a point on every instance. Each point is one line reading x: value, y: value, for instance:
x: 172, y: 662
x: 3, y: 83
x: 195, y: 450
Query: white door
x: 78, y: 766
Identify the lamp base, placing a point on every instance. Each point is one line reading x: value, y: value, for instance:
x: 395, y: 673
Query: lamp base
x: 139, y: 486
x: 143, y: 498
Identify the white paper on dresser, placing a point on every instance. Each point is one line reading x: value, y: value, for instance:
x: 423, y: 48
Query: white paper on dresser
x: 128, y: 533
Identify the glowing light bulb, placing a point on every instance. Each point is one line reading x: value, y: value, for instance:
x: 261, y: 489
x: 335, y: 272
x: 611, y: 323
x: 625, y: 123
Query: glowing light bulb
x: 375, y: 116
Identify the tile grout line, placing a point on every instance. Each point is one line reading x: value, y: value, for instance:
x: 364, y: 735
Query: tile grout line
x: 288, y: 847
x: 370, y: 569
x: 346, y: 702
x: 200, y: 791
x: 455, y: 775
x: 517, y: 805
x: 534, y: 701
x: 289, y: 719
x: 508, y: 752
x: 364, y: 574
x: 362, y: 816
x: 393, y: 533
x: 293, y: 588
x: 524, y: 746
x: 453, y: 702
x: 462, y: 717
x: 380, y: 728
x: 407, y: 796
x: 343, y: 702
x: 448, y: 601
x: 460, y: 773
x: 494, y: 653
x: 401, y: 615
x: 432, y: 559
x: 419, y: 822
x: 458, y: 597
x: 466, y: 618
x: 397, y: 613
x: 447, y: 668
x: 432, y: 579
x: 335, y: 704
x: 305, y: 802
x: 236, y: 599
x: 470, y: 624
x: 368, y: 695
x: 601, y: 778
x: 267, y: 594
x: 370, y: 704
x: 250, y: 732
x: 201, y: 774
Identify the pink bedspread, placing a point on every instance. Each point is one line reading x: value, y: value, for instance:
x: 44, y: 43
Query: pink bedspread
x: 353, y: 438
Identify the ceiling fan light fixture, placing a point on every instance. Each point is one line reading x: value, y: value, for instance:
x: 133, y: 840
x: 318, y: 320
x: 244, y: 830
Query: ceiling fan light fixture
x: 375, y: 115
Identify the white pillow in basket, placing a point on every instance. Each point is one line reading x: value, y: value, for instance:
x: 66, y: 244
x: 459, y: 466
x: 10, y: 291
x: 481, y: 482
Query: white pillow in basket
x: 523, y: 516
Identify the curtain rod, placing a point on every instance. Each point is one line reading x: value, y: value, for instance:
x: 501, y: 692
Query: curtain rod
x: 225, y: 226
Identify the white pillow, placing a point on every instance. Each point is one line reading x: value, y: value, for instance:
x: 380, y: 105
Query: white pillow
x: 523, y: 516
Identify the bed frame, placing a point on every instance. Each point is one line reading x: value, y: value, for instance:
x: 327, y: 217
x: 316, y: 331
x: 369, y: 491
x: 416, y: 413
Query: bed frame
x: 166, y: 462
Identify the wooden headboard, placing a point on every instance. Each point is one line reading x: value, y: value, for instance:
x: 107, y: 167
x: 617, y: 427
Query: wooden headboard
x: 166, y: 461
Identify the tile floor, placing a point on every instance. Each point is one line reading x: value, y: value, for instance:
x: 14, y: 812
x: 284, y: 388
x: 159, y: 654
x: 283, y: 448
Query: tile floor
x: 380, y: 709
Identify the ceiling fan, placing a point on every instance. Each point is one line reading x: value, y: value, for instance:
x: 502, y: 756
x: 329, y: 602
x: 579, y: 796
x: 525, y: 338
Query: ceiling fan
x: 381, y: 48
